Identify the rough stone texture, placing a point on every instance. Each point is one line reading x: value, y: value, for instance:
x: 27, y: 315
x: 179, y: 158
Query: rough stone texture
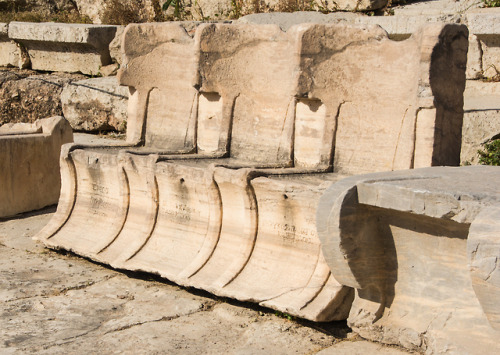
x: 65, y: 47
x: 435, y: 7
x: 402, y: 239
x: 97, y: 104
x: 485, y: 25
x: 10, y: 54
x: 198, y: 221
x: 39, y: 6
x: 361, y: 348
x: 29, y: 157
x: 111, y: 10
x: 26, y: 96
x: 474, y: 58
x: 53, y: 303
x: 115, y: 47
x: 481, y: 118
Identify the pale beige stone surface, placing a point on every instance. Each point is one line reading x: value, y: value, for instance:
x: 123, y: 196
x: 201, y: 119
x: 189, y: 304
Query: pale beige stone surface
x: 64, y: 47
x: 263, y: 105
x: 115, y: 46
x: 485, y: 25
x: 10, y: 54
x: 57, y: 303
x: 29, y: 157
x: 97, y: 104
x: 481, y: 118
x: 361, y: 348
x: 403, y: 240
x: 161, y: 86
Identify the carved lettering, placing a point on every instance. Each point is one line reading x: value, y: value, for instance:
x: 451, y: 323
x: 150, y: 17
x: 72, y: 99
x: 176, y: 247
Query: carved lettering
x: 290, y: 233
x: 181, y: 212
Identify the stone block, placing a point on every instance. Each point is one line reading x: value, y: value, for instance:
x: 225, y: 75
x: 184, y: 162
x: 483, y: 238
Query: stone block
x: 411, y: 242
x: 29, y: 157
x: 485, y: 25
x: 160, y: 90
x: 115, y: 46
x: 474, y: 58
x: 258, y: 119
x: 10, y: 55
x: 481, y: 118
x: 97, y: 104
x: 65, y: 47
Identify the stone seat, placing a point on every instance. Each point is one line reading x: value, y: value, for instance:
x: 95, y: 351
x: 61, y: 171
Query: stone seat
x: 29, y: 161
x: 421, y: 248
x: 298, y: 105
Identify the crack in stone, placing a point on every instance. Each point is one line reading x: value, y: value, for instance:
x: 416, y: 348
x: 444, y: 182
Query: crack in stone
x: 64, y: 290
x: 204, y: 307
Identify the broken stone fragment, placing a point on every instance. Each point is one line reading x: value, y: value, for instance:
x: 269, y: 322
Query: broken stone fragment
x: 97, y: 104
x: 410, y: 243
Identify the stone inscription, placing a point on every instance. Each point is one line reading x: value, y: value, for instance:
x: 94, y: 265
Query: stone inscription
x: 181, y: 212
x: 98, y: 206
x: 290, y: 233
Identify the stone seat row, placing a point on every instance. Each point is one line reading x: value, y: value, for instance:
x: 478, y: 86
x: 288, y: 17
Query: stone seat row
x: 234, y: 133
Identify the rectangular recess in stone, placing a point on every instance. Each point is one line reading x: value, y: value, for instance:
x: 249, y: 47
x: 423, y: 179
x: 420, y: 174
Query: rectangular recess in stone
x: 310, y: 124
x: 209, y: 121
x: 170, y: 118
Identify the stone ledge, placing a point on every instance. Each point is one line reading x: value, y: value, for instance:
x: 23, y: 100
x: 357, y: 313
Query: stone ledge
x: 65, y: 47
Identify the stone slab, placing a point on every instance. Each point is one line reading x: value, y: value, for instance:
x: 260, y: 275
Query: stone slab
x: 30, y: 159
x: 403, y: 240
x: 97, y: 104
x: 65, y: 47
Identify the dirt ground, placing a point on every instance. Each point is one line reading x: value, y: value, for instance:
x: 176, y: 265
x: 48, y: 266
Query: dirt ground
x: 57, y: 303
